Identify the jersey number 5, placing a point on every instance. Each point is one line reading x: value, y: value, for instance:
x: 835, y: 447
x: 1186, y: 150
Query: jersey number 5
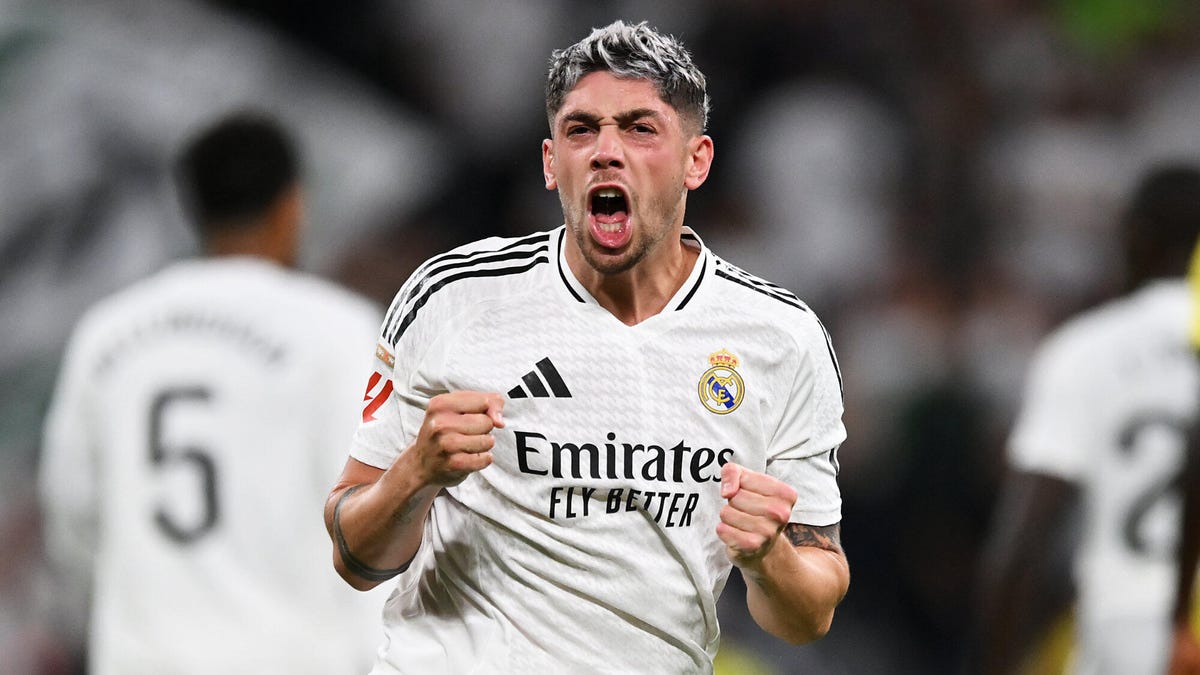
x: 162, y: 457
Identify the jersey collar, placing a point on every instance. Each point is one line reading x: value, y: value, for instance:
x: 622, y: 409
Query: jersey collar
x: 682, y: 298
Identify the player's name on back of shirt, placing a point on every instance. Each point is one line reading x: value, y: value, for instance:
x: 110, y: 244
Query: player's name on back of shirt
x: 143, y: 333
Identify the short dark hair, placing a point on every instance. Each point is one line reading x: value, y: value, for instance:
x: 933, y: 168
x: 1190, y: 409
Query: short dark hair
x: 631, y: 51
x: 234, y: 170
x: 1162, y: 221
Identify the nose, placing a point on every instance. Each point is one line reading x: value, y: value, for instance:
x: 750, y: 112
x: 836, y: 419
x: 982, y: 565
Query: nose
x: 608, y: 153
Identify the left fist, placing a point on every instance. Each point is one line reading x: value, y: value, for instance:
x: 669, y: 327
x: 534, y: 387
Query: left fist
x: 758, y: 508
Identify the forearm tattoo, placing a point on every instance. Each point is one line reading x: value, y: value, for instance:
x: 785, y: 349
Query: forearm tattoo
x: 828, y: 537
x: 356, y: 566
x: 405, y: 515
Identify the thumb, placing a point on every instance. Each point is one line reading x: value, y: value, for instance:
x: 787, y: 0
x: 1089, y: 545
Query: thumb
x: 495, y: 406
x: 731, y: 480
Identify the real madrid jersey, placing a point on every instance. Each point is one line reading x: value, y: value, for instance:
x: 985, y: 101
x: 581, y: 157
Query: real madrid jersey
x: 199, y: 419
x: 1108, y: 402
x: 590, y: 542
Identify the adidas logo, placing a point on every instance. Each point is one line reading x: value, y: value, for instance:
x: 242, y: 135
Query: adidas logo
x: 537, y: 387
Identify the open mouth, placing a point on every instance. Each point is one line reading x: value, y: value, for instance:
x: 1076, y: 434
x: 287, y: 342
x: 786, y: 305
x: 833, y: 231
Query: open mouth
x: 609, y: 208
x: 608, y: 217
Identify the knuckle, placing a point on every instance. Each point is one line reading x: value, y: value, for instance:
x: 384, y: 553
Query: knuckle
x: 781, y: 513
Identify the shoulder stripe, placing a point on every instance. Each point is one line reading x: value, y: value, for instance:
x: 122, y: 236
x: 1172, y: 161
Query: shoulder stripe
x: 761, y: 283
x: 740, y: 276
x: 434, y: 265
x: 695, y: 286
x: 837, y: 368
x: 767, y: 292
x: 496, y: 257
x: 394, y: 334
x: 539, y: 238
x: 431, y: 270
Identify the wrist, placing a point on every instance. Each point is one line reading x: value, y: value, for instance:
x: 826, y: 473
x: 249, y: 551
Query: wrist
x: 758, y: 566
x: 409, y: 484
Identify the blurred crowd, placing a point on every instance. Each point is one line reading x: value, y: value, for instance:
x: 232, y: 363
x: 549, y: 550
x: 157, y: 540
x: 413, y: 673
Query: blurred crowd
x: 940, y: 180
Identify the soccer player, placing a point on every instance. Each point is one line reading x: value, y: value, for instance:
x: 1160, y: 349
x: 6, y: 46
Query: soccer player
x: 1109, y: 400
x: 571, y: 437
x: 188, y: 444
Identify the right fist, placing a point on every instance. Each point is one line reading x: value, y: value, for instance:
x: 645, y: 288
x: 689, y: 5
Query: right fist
x: 455, y: 439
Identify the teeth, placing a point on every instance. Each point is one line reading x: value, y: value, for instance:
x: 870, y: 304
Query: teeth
x: 608, y: 193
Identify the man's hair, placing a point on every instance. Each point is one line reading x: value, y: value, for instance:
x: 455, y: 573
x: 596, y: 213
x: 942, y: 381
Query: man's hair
x: 1162, y: 221
x: 233, y: 171
x: 632, y: 52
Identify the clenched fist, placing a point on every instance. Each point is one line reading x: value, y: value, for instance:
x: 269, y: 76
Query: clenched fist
x: 758, y: 509
x: 455, y: 439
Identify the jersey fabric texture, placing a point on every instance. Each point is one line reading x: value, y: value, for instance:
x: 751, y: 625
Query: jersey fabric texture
x: 199, y: 419
x: 1109, y: 400
x: 589, y: 544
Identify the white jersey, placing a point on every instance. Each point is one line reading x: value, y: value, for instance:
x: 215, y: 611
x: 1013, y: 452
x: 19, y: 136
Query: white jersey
x: 589, y: 544
x: 199, y: 420
x: 1108, y: 403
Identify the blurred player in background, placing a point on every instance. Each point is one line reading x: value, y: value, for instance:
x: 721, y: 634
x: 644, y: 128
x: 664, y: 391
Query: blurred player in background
x: 1185, y: 654
x: 1101, y: 438
x: 188, y: 446
x: 572, y: 437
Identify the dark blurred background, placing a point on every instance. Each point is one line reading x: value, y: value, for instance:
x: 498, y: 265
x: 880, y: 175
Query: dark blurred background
x: 939, y: 179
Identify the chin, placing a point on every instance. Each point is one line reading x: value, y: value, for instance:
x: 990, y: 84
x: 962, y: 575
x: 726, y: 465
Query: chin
x: 611, y: 263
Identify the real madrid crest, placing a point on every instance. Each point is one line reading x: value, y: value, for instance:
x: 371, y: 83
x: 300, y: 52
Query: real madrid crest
x: 721, y: 388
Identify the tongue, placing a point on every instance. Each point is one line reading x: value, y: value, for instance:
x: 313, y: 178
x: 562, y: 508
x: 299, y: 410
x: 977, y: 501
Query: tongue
x: 611, y: 230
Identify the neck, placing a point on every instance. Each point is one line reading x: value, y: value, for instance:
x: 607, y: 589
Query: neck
x: 644, y: 290
x: 271, y: 235
x: 250, y: 242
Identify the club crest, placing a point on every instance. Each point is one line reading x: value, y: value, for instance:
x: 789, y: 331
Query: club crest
x: 721, y: 387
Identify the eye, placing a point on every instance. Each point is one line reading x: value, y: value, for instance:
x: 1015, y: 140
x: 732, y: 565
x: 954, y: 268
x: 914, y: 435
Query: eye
x: 578, y: 130
x: 640, y: 128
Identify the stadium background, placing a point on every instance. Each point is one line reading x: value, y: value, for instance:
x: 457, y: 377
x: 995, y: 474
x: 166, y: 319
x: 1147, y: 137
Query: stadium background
x: 939, y: 180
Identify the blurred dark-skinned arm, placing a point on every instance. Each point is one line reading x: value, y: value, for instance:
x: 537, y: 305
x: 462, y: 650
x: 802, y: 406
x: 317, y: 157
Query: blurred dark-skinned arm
x: 1185, y: 656
x: 1185, y: 651
x: 1023, y: 584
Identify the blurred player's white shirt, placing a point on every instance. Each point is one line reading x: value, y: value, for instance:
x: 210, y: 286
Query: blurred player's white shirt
x: 589, y: 544
x: 1109, y: 400
x: 200, y: 418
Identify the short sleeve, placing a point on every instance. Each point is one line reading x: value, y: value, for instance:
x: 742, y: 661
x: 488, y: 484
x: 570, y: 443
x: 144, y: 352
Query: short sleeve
x: 1051, y: 429
x: 381, y: 434
x: 67, y: 484
x: 347, y: 355
x: 393, y: 401
x: 803, y: 449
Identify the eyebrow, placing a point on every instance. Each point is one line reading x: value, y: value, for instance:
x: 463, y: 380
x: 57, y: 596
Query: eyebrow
x: 622, y: 118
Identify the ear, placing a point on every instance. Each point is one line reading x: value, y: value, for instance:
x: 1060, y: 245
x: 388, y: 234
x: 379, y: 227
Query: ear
x: 699, y: 162
x: 548, y: 164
